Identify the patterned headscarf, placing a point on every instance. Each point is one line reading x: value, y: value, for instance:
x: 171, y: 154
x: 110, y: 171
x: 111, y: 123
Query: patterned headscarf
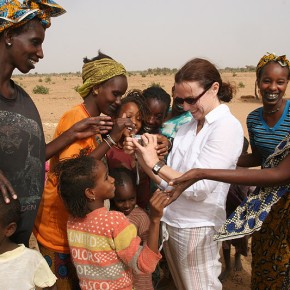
x: 98, y: 71
x: 282, y: 60
x: 15, y: 14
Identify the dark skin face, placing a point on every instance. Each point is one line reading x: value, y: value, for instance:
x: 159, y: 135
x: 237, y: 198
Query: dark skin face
x: 105, y: 184
x: 273, y: 84
x: 133, y: 113
x: 125, y: 197
x: 156, y: 116
x: 110, y: 93
x: 26, y: 47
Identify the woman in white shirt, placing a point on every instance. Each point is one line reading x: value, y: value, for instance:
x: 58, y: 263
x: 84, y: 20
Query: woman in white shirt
x: 213, y: 139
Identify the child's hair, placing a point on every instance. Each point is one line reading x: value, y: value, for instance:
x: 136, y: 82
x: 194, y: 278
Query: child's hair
x: 157, y: 93
x: 98, y: 57
x: 136, y: 97
x: 75, y: 175
x: 9, y: 212
x: 123, y: 176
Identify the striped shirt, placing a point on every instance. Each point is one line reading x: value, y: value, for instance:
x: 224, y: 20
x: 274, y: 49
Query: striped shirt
x: 265, y: 138
x: 105, y: 249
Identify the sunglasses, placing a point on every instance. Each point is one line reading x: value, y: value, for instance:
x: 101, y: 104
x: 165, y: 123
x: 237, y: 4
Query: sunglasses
x: 189, y: 100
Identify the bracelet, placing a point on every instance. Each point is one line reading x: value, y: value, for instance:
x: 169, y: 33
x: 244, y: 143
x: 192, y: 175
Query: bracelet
x: 170, y: 141
x: 111, y: 139
x: 107, y: 143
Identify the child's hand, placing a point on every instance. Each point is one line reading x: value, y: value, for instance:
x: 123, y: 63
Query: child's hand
x: 158, y: 201
x: 162, y: 146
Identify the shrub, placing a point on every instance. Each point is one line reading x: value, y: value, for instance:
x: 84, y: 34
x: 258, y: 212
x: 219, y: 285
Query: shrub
x: 40, y: 80
x: 241, y: 85
x: 155, y: 85
x: 41, y: 90
x: 48, y: 79
x: 234, y: 74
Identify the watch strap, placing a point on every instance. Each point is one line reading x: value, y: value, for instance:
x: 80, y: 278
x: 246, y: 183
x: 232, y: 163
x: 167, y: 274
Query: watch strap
x: 156, y: 168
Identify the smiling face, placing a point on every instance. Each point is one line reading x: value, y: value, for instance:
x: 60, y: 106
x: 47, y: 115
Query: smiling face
x: 125, y: 197
x: 110, y: 93
x: 273, y: 83
x: 192, y: 90
x: 26, y: 47
x: 157, y: 113
x: 132, y: 111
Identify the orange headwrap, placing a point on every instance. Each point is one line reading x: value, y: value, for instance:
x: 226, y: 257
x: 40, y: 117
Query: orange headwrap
x: 14, y: 14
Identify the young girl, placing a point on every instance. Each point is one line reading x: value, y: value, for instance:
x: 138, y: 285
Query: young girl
x: 104, y: 245
x: 104, y: 83
x: 133, y: 106
x: 125, y: 202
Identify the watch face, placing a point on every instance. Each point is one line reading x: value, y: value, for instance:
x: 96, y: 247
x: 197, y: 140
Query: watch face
x: 156, y: 168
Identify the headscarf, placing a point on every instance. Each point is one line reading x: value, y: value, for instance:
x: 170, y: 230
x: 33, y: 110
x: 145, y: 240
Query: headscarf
x: 98, y: 71
x: 282, y: 60
x: 15, y: 14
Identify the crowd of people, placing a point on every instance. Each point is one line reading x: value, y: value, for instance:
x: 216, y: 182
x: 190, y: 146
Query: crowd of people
x: 140, y: 178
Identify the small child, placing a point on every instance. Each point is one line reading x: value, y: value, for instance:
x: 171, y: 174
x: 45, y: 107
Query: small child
x: 20, y: 267
x: 125, y: 202
x: 104, y: 245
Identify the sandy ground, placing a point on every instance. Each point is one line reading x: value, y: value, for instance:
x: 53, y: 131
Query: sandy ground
x: 62, y: 96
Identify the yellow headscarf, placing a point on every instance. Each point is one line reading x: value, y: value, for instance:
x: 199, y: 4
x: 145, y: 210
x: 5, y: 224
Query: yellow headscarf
x: 282, y: 60
x: 98, y: 71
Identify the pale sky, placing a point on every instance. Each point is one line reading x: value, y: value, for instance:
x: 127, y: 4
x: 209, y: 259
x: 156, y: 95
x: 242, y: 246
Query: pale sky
x: 166, y: 33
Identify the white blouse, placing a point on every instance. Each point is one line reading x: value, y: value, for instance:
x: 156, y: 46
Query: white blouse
x: 218, y: 145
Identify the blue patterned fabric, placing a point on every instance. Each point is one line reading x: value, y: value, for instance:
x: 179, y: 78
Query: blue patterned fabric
x: 252, y: 212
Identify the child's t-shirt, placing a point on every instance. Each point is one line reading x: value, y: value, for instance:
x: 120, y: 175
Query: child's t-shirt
x: 141, y: 220
x: 105, y: 249
x: 24, y: 268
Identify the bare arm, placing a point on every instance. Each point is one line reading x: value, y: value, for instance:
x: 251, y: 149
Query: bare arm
x: 147, y: 157
x: 250, y: 160
x: 80, y: 130
x: 279, y: 175
x: 115, y: 134
x: 157, y: 204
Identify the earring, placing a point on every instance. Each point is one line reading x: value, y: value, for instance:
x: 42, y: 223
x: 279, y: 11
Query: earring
x: 95, y: 92
x: 9, y: 43
x: 92, y: 199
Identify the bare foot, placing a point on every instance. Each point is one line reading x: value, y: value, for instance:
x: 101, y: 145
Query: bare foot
x: 224, y: 274
x: 238, y: 263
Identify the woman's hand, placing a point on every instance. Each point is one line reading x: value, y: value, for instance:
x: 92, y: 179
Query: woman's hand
x: 120, y: 125
x: 6, y: 188
x: 91, y: 126
x: 148, y: 149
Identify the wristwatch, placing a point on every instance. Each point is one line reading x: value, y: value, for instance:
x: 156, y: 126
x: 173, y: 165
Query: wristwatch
x: 156, y: 168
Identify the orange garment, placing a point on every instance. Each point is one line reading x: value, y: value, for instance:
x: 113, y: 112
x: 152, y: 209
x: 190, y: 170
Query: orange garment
x: 51, y: 221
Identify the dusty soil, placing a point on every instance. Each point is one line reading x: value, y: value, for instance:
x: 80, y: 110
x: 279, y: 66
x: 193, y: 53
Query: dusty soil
x: 62, y: 96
